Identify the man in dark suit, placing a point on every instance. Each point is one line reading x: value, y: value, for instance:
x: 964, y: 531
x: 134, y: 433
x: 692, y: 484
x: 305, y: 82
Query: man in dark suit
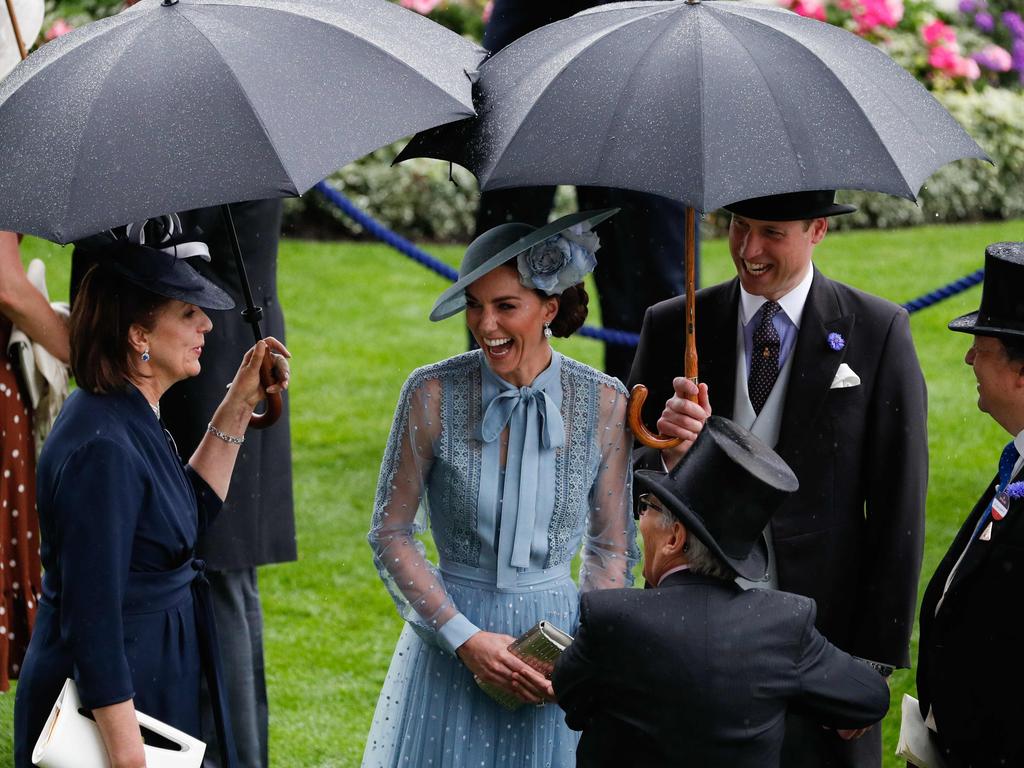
x: 642, y: 247
x: 697, y: 671
x: 826, y: 375
x: 970, y: 671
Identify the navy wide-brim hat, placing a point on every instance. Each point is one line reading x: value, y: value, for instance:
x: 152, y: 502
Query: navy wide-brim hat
x: 1001, y: 312
x: 499, y: 244
x: 791, y: 206
x: 163, y: 273
x: 724, y: 490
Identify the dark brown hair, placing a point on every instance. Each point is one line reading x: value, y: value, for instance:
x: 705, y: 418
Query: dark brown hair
x: 572, y: 311
x: 1014, y: 347
x: 105, y: 307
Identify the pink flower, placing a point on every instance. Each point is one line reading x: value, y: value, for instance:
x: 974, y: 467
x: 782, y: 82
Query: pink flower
x: 814, y: 9
x: 871, y: 14
x: 60, y: 27
x: 950, y: 62
x: 943, y: 58
x: 488, y: 10
x: 937, y: 32
x: 421, y: 6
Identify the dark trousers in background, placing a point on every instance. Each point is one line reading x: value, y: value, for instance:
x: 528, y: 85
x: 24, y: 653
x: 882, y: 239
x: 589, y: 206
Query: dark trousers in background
x: 236, y: 606
x: 640, y: 261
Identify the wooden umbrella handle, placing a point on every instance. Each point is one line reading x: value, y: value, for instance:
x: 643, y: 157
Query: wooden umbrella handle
x: 639, y: 393
x: 274, y: 403
x: 22, y: 50
x: 637, y: 396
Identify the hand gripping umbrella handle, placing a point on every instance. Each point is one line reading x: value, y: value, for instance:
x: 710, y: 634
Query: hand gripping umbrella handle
x: 637, y: 396
x: 274, y: 404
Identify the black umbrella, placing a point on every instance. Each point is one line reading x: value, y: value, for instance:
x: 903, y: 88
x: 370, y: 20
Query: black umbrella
x: 179, y: 104
x: 706, y: 103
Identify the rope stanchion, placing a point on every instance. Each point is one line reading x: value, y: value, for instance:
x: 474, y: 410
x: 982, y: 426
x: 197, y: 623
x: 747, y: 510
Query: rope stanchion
x: 608, y: 335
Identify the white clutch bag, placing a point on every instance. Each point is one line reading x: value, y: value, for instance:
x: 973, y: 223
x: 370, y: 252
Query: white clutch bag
x: 71, y: 739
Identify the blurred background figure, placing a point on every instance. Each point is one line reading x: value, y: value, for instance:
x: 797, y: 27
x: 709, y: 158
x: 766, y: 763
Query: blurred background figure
x: 23, y: 306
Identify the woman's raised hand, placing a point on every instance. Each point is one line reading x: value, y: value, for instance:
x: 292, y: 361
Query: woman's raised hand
x: 247, y: 386
x: 487, y: 656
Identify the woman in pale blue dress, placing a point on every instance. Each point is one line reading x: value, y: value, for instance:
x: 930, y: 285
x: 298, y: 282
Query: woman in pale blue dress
x: 516, y: 457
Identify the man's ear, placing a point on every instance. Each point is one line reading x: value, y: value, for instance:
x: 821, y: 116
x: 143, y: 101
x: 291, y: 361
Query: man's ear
x: 675, y: 543
x: 819, y: 228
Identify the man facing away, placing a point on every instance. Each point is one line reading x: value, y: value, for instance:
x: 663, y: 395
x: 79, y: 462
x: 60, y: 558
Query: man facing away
x: 696, y: 670
x: 828, y: 377
x: 970, y: 670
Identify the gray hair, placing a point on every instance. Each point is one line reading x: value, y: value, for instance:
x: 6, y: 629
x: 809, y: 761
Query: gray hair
x: 702, y: 561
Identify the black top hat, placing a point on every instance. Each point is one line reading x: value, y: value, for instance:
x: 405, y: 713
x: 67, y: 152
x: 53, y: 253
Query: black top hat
x: 1002, y: 300
x: 791, y: 206
x: 725, y: 490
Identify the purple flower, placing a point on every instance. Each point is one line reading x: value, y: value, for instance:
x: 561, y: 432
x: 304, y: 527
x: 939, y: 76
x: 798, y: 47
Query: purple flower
x: 1018, y: 56
x: 1015, y: 490
x: 984, y: 21
x: 1015, y: 23
x: 970, y: 6
x: 836, y: 341
x: 994, y: 58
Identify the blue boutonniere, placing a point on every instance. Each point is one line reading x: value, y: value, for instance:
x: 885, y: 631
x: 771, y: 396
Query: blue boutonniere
x: 836, y: 341
x: 1015, y: 490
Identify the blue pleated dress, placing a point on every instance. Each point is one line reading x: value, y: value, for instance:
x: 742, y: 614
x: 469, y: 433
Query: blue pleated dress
x: 506, y: 533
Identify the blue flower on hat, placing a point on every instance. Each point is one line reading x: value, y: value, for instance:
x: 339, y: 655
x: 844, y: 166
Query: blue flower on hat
x: 836, y: 341
x: 560, y: 261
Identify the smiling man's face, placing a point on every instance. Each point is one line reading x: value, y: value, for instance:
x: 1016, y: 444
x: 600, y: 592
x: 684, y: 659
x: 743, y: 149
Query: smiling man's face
x: 772, y: 257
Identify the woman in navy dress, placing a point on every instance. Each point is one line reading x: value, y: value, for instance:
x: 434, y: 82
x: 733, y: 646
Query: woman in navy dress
x: 120, y: 512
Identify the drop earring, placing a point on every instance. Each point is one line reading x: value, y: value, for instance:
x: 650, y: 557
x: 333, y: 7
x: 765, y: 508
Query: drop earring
x: 547, y: 330
x: 145, y: 356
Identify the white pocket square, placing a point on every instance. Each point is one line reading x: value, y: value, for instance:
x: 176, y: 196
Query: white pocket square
x: 845, y: 377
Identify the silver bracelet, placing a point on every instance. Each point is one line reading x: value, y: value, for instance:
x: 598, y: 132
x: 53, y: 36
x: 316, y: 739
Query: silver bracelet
x: 224, y: 436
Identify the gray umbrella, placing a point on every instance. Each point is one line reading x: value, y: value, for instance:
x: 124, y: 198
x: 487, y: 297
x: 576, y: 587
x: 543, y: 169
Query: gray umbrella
x: 706, y: 103
x: 183, y: 104
x: 188, y: 103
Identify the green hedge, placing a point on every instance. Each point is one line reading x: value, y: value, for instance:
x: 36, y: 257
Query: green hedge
x: 417, y: 199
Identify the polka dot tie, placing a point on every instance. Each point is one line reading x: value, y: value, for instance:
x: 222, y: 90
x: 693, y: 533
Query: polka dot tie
x: 764, y: 357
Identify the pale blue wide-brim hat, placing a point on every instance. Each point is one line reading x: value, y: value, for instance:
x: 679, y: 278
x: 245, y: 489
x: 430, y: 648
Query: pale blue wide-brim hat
x: 499, y: 244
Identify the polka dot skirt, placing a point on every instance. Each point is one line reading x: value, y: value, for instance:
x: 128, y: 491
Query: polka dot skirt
x: 20, y: 580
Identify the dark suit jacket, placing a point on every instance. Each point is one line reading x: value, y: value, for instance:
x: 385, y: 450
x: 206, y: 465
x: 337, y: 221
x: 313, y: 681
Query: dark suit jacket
x: 851, y: 537
x: 699, y: 672
x: 970, y: 666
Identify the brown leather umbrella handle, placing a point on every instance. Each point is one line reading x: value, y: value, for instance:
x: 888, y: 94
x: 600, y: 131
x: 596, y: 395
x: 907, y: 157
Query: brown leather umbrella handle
x: 274, y: 404
x: 636, y: 423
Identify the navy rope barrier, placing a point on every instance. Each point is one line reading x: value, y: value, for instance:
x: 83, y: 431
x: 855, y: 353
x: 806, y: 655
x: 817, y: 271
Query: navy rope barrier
x: 951, y: 289
x: 610, y: 335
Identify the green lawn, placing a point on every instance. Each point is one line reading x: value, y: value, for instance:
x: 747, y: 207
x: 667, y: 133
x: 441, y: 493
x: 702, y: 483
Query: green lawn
x: 357, y: 326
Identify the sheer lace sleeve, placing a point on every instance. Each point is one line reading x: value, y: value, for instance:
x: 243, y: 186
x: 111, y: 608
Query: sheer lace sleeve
x: 609, y: 546
x: 398, y: 515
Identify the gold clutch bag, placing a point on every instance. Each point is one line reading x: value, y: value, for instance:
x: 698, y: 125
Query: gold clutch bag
x: 540, y: 646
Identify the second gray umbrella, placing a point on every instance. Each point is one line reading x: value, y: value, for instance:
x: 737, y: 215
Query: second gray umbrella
x: 188, y: 103
x: 706, y: 103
